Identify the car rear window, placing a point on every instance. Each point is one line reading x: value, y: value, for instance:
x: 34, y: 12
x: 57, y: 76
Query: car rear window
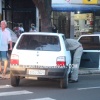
x: 39, y: 42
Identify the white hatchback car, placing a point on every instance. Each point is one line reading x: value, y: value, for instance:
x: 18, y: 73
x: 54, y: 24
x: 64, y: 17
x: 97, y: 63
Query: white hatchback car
x: 40, y: 55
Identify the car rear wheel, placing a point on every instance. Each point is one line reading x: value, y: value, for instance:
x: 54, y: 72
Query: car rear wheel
x: 64, y: 82
x: 15, y: 80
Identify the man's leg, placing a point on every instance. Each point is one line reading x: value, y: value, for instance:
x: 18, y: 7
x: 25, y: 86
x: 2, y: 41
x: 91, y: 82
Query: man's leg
x: 5, y: 66
x: 0, y: 62
x: 0, y: 67
x: 76, y: 63
x: 5, y: 59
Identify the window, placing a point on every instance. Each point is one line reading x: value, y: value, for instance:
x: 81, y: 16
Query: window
x: 97, y: 24
x: 90, y: 42
x: 39, y: 42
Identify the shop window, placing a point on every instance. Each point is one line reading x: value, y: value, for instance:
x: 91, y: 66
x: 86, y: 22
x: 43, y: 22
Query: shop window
x: 83, y: 24
x: 97, y: 24
x: 90, y: 42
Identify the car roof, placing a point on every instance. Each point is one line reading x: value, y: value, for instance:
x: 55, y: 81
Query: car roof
x: 90, y: 35
x: 42, y: 33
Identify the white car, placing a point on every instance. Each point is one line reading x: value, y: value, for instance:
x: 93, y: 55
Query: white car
x: 91, y: 51
x: 40, y: 55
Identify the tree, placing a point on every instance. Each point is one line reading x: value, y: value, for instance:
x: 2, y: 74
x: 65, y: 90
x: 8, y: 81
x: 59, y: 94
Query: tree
x: 44, y: 7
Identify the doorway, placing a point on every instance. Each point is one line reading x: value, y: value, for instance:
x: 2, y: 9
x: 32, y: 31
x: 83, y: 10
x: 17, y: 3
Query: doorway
x: 19, y: 11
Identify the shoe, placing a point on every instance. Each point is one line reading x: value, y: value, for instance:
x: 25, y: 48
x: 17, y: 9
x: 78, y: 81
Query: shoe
x: 0, y: 71
x: 73, y: 81
x: 3, y: 75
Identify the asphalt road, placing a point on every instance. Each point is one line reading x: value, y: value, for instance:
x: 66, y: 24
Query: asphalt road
x: 88, y: 88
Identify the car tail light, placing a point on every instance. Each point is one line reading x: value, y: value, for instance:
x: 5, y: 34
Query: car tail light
x: 14, y: 59
x: 61, y: 61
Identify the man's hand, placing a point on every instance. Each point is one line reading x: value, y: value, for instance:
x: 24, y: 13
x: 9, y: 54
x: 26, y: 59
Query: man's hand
x: 10, y: 42
x: 10, y: 48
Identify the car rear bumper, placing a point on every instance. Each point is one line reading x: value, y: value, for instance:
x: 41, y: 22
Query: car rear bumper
x: 49, y: 72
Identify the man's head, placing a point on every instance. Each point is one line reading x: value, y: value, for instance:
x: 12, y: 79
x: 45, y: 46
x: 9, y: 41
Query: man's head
x: 32, y: 25
x: 3, y: 24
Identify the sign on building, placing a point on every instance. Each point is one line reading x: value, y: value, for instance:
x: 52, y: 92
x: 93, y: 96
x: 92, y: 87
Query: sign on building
x: 90, y: 1
x: 76, y: 1
x: 98, y: 1
x: 60, y: 1
x: 85, y: 1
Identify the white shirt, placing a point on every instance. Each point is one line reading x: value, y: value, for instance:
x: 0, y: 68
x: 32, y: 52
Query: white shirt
x: 21, y: 29
x: 5, y: 37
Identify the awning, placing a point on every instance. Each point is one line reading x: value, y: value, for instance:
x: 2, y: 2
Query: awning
x: 74, y: 7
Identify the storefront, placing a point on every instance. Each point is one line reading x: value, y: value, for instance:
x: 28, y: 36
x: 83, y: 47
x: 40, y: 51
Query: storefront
x: 18, y: 12
x: 84, y: 19
x: 83, y: 24
x: 97, y: 22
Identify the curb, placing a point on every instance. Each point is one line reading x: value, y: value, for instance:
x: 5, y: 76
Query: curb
x: 89, y: 71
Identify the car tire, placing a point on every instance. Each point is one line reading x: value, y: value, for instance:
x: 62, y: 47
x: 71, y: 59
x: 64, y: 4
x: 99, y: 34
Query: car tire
x: 64, y: 82
x: 14, y: 80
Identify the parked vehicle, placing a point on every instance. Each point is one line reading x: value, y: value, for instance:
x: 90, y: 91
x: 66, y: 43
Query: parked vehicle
x: 91, y: 51
x: 40, y: 55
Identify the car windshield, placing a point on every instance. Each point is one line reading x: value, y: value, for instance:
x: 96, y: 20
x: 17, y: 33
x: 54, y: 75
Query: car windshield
x: 39, y: 42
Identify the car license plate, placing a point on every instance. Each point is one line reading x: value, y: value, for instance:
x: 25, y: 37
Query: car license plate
x: 36, y: 72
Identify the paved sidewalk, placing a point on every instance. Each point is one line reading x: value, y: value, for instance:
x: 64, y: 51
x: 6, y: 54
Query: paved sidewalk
x: 82, y: 71
x: 86, y: 71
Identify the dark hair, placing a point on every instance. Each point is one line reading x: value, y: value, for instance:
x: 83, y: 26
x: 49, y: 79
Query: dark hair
x: 32, y: 24
x: 21, y: 25
x: 17, y: 25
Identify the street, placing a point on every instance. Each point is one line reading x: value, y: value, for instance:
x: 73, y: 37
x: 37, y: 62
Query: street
x: 88, y: 88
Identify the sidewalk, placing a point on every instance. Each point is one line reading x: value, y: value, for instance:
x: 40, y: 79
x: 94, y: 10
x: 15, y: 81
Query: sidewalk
x: 87, y: 71
x: 82, y: 71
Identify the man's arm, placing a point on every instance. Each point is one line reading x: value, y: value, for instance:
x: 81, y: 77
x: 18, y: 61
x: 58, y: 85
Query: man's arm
x: 10, y: 43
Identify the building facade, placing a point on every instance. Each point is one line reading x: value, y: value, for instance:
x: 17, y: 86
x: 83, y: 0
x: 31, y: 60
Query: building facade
x: 70, y: 19
x: 18, y: 12
x: 84, y: 19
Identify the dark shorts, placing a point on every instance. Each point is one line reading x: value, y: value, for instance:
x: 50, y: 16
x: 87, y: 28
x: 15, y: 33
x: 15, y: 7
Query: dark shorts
x: 3, y: 55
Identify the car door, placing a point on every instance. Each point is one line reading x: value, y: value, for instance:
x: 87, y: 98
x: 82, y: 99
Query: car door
x: 91, y: 49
